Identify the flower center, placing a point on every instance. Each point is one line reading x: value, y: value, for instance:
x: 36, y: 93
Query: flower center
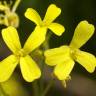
x: 73, y: 51
x: 13, y: 19
x: 21, y: 53
x: 44, y: 24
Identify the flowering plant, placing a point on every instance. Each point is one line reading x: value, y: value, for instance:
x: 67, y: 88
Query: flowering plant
x: 36, y: 52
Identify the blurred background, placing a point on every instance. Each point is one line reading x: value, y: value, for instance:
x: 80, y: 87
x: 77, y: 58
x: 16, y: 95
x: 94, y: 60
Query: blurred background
x: 73, y: 11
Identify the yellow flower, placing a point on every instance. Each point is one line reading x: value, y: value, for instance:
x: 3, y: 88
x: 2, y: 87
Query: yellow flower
x: 65, y: 56
x: 29, y: 68
x: 10, y: 17
x: 42, y: 25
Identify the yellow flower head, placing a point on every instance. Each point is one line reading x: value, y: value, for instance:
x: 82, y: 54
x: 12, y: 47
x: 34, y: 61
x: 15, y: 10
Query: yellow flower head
x: 63, y: 57
x: 42, y: 25
x: 10, y: 17
x: 29, y: 68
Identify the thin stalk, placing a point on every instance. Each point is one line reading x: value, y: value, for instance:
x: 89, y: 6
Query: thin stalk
x: 48, y: 87
x: 46, y: 43
x: 36, y: 88
x: 41, y: 86
x: 45, y: 47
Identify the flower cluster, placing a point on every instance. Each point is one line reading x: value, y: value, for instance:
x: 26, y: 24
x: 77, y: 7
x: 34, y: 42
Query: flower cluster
x: 63, y: 58
x: 10, y: 17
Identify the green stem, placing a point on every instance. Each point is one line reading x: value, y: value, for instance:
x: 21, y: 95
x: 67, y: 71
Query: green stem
x: 48, y: 87
x: 46, y: 43
x: 45, y: 46
x: 36, y: 88
x: 41, y: 79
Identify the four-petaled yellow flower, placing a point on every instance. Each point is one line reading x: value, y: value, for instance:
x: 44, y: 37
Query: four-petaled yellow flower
x: 42, y: 25
x: 10, y: 17
x: 29, y: 68
x: 63, y: 57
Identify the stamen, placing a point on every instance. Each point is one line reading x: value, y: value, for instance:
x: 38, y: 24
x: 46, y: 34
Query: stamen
x: 5, y: 3
x: 65, y: 81
x: 17, y: 2
x: 20, y: 53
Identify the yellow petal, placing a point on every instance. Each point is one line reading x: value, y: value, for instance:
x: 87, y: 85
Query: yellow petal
x: 32, y: 15
x: 7, y: 67
x: 36, y: 38
x: 58, y: 29
x: 57, y: 55
x: 11, y: 38
x: 3, y: 8
x: 52, y: 13
x: 87, y: 60
x: 29, y: 69
x: 62, y: 71
x: 83, y: 33
x: 6, y: 22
